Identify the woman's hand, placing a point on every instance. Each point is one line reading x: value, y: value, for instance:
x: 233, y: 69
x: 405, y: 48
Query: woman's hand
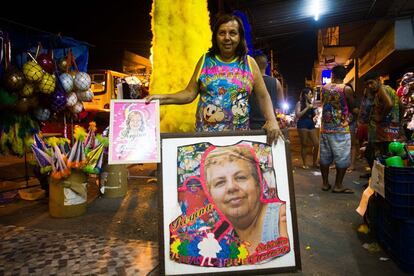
x: 272, y: 131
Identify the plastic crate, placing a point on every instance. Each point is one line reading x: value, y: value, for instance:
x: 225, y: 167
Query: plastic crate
x: 399, y: 191
x: 396, y: 237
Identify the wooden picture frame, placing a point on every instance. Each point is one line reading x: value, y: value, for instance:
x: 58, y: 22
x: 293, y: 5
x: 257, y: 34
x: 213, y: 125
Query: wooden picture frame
x: 215, y: 187
x: 134, y: 135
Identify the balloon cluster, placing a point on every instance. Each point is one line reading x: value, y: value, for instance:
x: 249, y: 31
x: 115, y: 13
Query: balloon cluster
x: 43, y: 86
x: 75, y: 84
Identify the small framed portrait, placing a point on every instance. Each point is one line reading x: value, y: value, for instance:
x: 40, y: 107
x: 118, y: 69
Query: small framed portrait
x: 228, y: 205
x: 134, y: 135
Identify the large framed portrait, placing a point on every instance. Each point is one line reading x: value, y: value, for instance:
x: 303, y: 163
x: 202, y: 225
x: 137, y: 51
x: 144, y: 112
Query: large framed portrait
x: 228, y: 205
x: 134, y: 135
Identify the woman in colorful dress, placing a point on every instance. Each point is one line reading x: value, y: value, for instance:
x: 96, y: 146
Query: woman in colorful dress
x: 224, y: 78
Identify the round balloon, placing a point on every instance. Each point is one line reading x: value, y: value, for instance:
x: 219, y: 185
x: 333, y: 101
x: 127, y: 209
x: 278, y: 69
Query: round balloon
x: 67, y: 82
x: 85, y: 96
x: 77, y: 108
x: 42, y: 114
x: 82, y: 81
x: 13, y: 79
x: 71, y: 99
x: 47, y: 84
x: 46, y: 62
x: 32, y: 71
x: 27, y: 89
x: 58, y: 100
x: 62, y: 64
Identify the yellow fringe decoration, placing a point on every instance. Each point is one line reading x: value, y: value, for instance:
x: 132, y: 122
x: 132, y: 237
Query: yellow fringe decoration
x: 53, y: 141
x: 79, y: 133
x: 181, y: 35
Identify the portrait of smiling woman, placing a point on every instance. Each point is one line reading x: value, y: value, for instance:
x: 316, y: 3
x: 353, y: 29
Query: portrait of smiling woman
x: 233, y: 179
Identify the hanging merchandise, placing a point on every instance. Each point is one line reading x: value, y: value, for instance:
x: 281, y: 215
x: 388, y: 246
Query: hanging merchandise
x: 45, y: 60
x: 67, y: 82
x: 27, y: 90
x: 62, y: 64
x: 41, y: 113
x: 85, y: 96
x: 76, y: 84
x: 82, y: 81
x: 13, y: 79
x: 47, y: 84
x: 32, y: 71
x: 71, y: 99
x: 58, y: 100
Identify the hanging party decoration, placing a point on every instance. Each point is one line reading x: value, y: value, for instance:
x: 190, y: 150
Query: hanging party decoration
x: 71, y: 99
x: 32, y: 71
x: 67, y: 82
x: 47, y: 84
x: 82, y: 81
x: 41, y: 113
x: 27, y: 90
x: 58, y: 100
x: 85, y: 96
x: 46, y: 61
x: 13, y: 79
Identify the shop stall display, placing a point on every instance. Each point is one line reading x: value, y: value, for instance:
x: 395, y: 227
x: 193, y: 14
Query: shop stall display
x: 68, y: 168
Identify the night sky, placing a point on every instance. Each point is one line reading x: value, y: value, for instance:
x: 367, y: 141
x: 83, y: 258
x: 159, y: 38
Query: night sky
x: 116, y: 26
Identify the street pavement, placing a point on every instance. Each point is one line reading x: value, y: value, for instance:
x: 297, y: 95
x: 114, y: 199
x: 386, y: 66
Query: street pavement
x: 119, y: 236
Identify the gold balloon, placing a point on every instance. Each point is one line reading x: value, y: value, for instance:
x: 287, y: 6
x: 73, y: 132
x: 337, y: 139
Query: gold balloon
x: 14, y: 79
x: 62, y: 64
x: 27, y: 90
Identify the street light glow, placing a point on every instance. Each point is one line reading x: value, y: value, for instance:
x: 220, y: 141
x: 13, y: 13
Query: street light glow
x: 315, y: 7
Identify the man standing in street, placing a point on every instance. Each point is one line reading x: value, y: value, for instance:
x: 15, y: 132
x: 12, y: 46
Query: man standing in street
x: 384, y: 124
x: 275, y: 90
x: 335, y: 138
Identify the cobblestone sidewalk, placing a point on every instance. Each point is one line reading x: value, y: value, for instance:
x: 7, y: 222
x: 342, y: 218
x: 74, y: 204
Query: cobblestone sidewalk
x: 25, y: 251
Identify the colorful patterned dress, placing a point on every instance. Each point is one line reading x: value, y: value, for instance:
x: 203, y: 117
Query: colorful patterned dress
x: 224, y: 89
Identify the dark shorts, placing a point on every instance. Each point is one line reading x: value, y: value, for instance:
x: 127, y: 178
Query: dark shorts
x: 305, y: 123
